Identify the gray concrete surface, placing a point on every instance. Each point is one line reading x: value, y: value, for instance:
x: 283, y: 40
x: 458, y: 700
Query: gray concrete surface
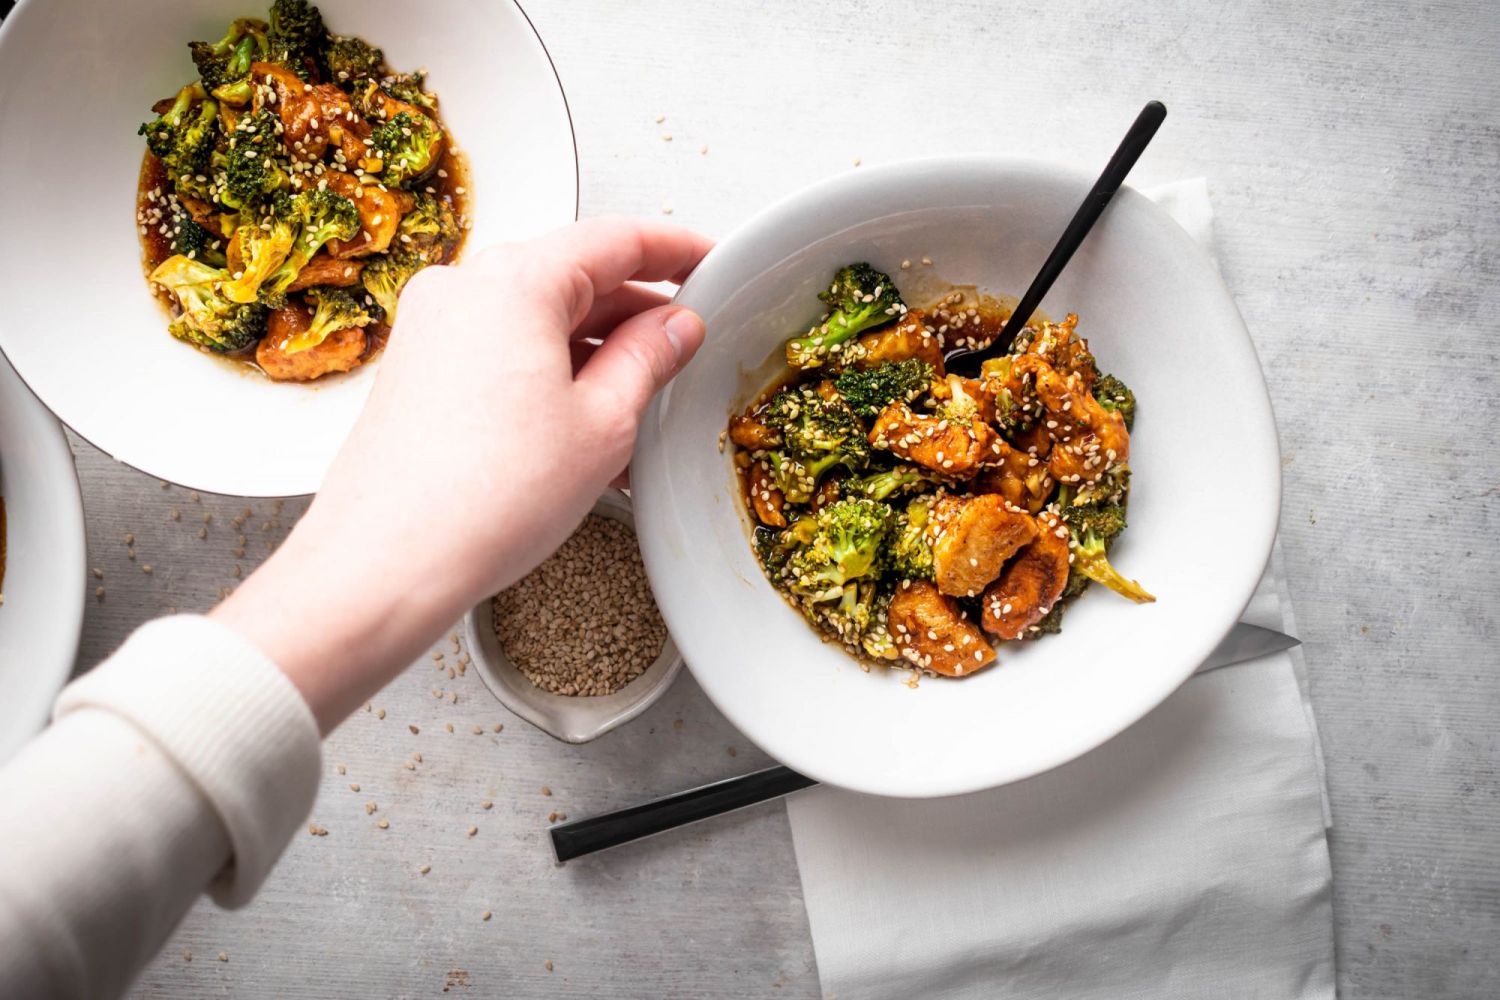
x: 1352, y: 152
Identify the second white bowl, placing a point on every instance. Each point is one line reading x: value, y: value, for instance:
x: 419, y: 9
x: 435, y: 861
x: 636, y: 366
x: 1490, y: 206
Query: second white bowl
x: 1202, y: 514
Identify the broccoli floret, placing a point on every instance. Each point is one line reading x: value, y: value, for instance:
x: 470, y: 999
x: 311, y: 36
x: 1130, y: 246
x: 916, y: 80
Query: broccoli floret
x: 908, y: 551
x: 208, y: 319
x: 859, y: 298
x: 195, y: 242
x: 336, y: 309
x: 297, y: 37
x: 353, y: 58
x: 183, y: 138
x: 818, y: 434
x: 1116, y: 397
x: 1051, y: 622
x: 1091, y: 559
x: 1077, y: 584
x: 261, y: 247
x: 386, y: 275
x: 320, y: 215
x: 408, y: 146
x: 408, y: 87
x: 776, y: 548
x: 857, y: 618
x: 225, y: 65
x: 880, y: 485
x: 846, y: 546
x: 815, y: 427
x: 430, y: 226
x: 796, y: 481
x: 1092, y: 526
x: 253, y: 167
x: 959, y: 407
x: 1112, y: 487
x: 870, y: 390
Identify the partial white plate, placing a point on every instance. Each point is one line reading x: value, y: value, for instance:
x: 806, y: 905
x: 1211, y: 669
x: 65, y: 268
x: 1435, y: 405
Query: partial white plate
x: 1202, y: 514
x: 45, y: 575
x: 76, y: 319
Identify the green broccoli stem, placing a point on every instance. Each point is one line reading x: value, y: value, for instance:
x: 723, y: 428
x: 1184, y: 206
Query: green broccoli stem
x: 1089, y: 558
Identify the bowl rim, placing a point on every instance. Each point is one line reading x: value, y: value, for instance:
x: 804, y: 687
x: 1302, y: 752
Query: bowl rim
x: 479, y: 632
x: 18, y: 15
x: 67, y: 517
x: 767, y: 231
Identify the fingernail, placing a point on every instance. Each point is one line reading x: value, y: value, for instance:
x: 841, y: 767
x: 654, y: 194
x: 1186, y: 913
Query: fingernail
x: 685, y: 331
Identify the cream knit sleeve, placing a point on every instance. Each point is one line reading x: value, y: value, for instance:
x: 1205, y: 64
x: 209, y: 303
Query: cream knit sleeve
x: 182, y: 764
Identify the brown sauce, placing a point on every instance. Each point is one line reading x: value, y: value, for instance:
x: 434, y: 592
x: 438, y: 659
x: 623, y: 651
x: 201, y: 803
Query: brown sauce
x: 449, y: 182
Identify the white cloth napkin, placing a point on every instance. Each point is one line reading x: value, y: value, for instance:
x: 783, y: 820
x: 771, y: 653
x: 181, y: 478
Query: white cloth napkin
x: 1186, y: 858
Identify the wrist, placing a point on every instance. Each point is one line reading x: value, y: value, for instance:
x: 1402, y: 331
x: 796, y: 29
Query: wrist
x: 339, y: 616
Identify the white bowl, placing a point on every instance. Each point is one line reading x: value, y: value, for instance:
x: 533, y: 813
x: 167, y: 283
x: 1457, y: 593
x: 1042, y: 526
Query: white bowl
x: 45, y: 577
x: 76, y: 318
x: 1203, y: 508
x: 570, y: 719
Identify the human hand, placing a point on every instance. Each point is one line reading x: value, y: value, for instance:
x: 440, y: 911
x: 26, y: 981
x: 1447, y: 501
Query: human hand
x: 507, y: 400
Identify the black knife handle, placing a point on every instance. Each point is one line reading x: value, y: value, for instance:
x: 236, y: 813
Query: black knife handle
x: 585, y: 836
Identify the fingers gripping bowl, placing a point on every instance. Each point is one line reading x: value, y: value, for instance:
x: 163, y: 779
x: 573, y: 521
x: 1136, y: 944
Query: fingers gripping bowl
x: 1202, y: 512
x: 89, y: 339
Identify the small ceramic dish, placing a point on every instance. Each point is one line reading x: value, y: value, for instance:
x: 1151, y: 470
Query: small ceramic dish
x: 570, y: 719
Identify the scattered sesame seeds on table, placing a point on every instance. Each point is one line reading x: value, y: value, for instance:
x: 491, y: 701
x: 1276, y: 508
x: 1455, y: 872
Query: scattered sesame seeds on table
x: 1325, y: 246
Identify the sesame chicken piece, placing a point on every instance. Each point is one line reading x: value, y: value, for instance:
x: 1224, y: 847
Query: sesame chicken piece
x: 303, y: 123
x: 1034, y: 439
x: 1059, y: 345
x: 283, y: 83
x: 908, y: 337
x: 766, y: 498
x: 751, y: 434
x: 944, y: 446
x: 341, y: 351
x: 931, y: 632
x: 290, y: 99
x: 971, y: 539
x: 1018, y: 476
x: 1031, y: 584
x: 1087, y: 437
x: 324, y: 270
x: 379, y: 214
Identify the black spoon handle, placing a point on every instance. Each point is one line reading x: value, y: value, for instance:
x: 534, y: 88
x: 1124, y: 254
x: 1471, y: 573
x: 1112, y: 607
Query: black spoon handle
x: 1129, y: 150
x: 585, y: 836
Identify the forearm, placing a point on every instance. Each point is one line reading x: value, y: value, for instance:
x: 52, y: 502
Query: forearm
x: 107, y: 845
x: 342, y: 615
x: 181, y: 764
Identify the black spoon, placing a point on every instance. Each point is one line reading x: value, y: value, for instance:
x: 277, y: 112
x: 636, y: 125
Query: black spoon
x: 966, y: 361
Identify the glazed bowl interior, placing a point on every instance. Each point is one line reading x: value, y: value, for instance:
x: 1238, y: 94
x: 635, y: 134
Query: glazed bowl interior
x: 1203, y: 508
x: 76, y: 319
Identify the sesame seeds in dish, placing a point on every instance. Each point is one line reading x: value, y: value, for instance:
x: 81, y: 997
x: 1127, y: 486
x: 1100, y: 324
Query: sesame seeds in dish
x: 583, y: 623
x: 288, y: 194
x: 920, y: 517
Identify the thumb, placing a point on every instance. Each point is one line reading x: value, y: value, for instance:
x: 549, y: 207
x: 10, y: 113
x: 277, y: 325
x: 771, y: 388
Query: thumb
x: 641, y: 355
